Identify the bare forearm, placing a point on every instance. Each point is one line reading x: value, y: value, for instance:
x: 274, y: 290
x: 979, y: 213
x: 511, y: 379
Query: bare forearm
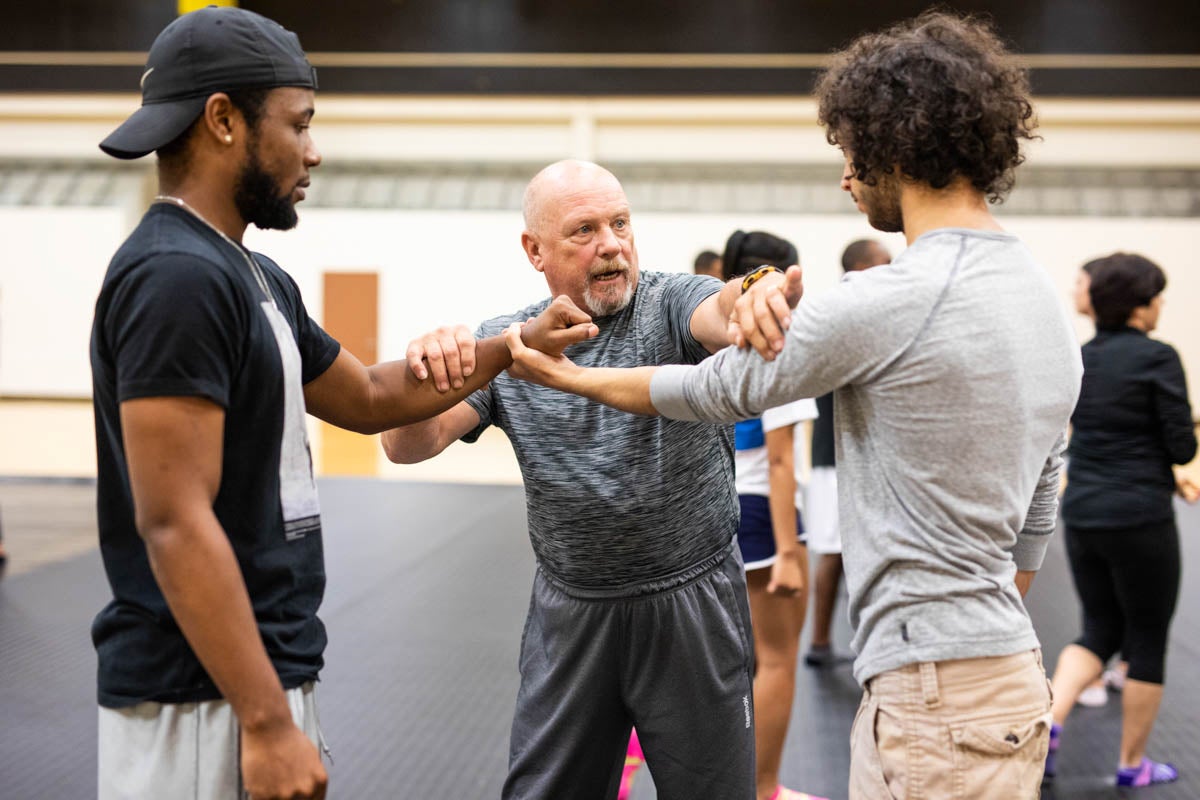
x: 1024, y: 580
x: 728, y: 297
x: 397, y: 398
x: 199, y: 576
x: 624, y: 389
x: 710, y: 320
x: 412, y: 444
x: 782, y: 501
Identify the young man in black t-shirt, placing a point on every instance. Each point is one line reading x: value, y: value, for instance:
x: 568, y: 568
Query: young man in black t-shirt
x: 204, y: 363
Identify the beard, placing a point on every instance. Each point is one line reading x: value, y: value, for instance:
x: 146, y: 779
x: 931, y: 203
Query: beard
x: 604, y: 301
x: 259, y: 198
x: 882, y: 204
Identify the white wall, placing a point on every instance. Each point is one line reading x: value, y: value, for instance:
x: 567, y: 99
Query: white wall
x: 442, y: 268
x: 1063, y: 245
x: 464, y: 267
x: 51, y: 264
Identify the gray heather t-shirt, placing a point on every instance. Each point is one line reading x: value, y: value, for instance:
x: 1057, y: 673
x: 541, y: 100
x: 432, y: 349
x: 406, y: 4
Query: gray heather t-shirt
x: 617, y: 499
x: 956, y: 371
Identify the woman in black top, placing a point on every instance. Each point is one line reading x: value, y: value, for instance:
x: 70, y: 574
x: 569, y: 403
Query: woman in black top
x: 1133, y: 422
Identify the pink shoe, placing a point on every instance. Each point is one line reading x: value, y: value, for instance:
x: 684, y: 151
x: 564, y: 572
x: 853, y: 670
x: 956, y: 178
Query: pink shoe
x: 634, y: 758
x: 1147, y: 773
x: 783, y: 793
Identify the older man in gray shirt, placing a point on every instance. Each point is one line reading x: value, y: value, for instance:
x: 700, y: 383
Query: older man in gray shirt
x: 955, y: 372
x: 639, y: 613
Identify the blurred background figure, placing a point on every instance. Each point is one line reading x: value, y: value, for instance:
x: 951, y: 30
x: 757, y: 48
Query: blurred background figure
x: 821, y: 503
x: 707, y: 263
x: 1096, y: 693
x: 3, y: 552
x: 1132, y: 423
x: 771, y: 537
x: 1083, y: 289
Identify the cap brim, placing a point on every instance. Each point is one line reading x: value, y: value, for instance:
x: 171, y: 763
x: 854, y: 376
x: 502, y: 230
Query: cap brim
x: 151, y: 127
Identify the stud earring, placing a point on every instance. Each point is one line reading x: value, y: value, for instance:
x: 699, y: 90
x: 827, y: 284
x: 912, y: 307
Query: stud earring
x: 228, y: 139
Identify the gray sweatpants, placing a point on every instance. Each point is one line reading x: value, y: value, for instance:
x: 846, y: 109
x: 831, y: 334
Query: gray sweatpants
x: 184, y: 750
x: 673, y: 658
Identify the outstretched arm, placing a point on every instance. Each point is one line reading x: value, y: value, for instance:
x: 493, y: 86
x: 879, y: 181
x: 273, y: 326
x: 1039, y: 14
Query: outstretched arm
x: 389, y: 395
x: 625, y: 388
x: 412, y: 444
x: 831, y: 342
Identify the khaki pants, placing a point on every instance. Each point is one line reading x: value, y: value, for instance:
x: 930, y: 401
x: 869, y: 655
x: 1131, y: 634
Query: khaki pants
x: 972, y: 729
x: 163, y: 751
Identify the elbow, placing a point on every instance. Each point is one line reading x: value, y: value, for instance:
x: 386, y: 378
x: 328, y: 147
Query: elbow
x: 160, y: 534
x: 782, y: 477
x: 392, y: 449
x: 1184, y: 454
x: 405, y: 457
x: 154, y: 533
x: 175, y: 521
x: 401, y: 451
x: 781, y: 464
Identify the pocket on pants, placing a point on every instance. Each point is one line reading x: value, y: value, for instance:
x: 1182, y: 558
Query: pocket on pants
x: 866, y: 769
x: 1001, y: 756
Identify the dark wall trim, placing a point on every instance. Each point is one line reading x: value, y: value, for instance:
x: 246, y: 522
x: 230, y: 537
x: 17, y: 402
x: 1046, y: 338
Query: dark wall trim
x: 488, y: 74
x: 647, y: 26
x: 1091, y: 48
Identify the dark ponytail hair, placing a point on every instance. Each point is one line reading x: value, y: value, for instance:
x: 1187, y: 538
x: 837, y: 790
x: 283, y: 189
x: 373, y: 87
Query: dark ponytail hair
x: 746, y: 252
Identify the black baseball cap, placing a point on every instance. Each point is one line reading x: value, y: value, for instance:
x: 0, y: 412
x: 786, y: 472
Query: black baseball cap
x: 214, y: 49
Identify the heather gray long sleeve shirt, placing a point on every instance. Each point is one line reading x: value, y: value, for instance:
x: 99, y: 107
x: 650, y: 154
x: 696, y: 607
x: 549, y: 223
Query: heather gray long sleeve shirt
x: 956, y: 371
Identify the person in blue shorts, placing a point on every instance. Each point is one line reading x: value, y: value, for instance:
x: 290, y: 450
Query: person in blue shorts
x: 771, y: 538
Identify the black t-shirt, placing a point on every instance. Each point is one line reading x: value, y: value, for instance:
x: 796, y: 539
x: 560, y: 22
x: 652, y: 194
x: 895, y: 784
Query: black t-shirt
x: 822, y: 435
x: 181, y: 313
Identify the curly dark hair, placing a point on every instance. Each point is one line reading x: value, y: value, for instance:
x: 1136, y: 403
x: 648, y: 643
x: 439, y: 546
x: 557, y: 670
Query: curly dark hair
x: 937, y: 97
x: 1120, y: 283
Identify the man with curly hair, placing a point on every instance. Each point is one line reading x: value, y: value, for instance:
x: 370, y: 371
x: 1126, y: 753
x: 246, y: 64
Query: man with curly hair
x: 955, y: 371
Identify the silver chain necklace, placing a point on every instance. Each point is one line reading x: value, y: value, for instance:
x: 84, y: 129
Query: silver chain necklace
x: 255, y: 269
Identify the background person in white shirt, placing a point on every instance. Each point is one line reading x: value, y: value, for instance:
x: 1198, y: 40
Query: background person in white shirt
x: 771, y: 538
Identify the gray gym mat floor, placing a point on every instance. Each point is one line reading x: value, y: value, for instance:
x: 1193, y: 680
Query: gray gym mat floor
x: 428, y: 585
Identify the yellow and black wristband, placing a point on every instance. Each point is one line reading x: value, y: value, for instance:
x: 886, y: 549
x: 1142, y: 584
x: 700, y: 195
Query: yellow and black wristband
x: 758, y: 274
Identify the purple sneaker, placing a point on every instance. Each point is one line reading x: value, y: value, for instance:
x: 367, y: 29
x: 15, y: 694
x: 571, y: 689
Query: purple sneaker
x: 1146, y: 773
x: 1055, y: 733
